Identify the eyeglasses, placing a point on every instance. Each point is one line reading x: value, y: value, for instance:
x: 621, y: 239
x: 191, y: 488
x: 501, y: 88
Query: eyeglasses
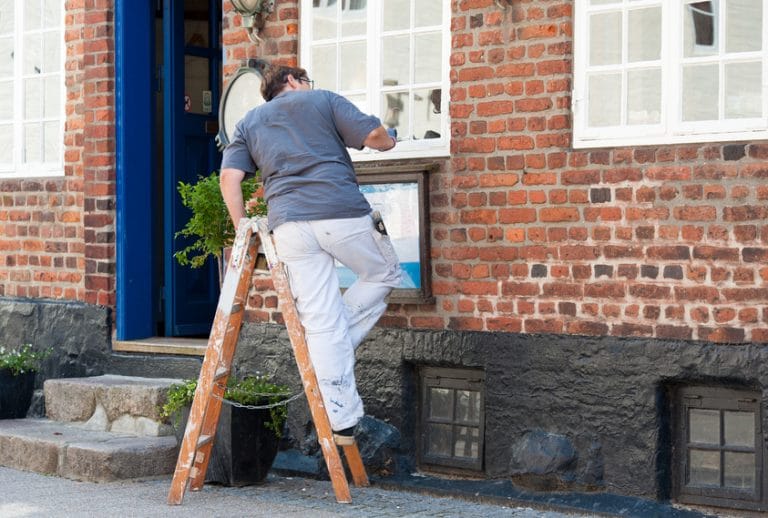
x: 309, y: 81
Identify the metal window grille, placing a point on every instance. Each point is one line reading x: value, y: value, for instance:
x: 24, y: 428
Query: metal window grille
x: 452, y: 424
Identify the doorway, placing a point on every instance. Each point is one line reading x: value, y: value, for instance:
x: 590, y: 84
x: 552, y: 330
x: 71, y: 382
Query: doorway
x: 167, y: 91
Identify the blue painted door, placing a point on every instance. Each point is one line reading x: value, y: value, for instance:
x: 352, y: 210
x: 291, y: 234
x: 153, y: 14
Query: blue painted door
x: 192, y: 57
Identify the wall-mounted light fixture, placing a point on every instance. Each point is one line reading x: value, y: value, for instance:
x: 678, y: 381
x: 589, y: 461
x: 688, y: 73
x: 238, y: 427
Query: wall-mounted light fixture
x: 253, y: 13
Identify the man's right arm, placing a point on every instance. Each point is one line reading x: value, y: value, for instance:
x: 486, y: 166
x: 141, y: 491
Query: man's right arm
x: 380, y: 140
x: 229, y: 181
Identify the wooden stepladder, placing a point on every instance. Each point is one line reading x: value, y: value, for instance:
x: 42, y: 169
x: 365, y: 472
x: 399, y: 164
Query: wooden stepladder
x: 206, y: 408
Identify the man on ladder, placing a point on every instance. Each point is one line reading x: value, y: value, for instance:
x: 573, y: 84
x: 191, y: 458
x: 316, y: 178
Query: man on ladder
x: 298, y: 141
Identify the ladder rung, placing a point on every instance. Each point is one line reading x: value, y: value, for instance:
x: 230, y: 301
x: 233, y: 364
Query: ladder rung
x: 221, y: 372
x: 203, y: 440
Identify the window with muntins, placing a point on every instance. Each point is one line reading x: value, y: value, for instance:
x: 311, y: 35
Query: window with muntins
x: 390, y: 59
x: 655, y: 72
x: 719, y: 448
x: 31, y: 87
x: 452, y: 424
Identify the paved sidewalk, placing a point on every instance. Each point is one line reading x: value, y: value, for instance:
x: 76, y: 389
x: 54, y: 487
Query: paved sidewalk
x: 24, y: 494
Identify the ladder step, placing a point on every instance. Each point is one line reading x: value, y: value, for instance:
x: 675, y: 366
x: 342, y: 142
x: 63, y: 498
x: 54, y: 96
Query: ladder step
x: 203, y: 440
x: 221, y: 372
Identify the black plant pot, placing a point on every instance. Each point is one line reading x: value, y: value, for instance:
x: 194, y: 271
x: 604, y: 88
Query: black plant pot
x: 244, y: 448
x: 15, y: 394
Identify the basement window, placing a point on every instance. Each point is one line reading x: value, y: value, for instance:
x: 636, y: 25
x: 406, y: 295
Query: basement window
x: 452, y: 424
x: 719, y: 453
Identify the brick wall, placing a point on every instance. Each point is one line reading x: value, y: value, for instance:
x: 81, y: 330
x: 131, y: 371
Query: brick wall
x: 57, y: 233
x: 529, y: 235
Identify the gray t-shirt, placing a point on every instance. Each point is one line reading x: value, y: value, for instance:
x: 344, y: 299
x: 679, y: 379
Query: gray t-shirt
x: 298, y: 141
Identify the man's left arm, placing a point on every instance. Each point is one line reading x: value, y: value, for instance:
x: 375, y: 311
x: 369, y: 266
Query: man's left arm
x: 229, y: 182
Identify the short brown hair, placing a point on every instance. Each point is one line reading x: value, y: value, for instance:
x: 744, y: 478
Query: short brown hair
x: 275, y: 77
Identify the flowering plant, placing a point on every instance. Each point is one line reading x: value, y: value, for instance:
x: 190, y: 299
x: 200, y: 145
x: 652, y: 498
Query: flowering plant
x: 21, y: 360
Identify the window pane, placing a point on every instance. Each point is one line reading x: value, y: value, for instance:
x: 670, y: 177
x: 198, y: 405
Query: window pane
x: 7, y: 17
x: 427, y: 57
x: 700, y: 92
x: 52, y: 106
x: 644, y: 96
x: 467, y: 442
x: 6, y: 100
x: 324, y: 67
x: 33, y: 98
x: 355, y: 76
x: 700, y: 29
x: 6, y: 57
x: 739, y: 470
x: 440, y: 403
x: 397, y: 15
x: 196, y: 29
x: 743, y: 25
x: 604, y: 100
x: 604, y: 2
x: 52, y: 142
x: 704, y: 468
x: 468, y: 406
x: 360, y: 101
x: 354, y: 18
x: 704, y: 426
x: 196, y: 80
x: 52, y: 13
x: 743, y: 90
x: 739, y: 428
x: 426, y: 113
x: 52, y: 43
x: 6, y: 143
x: 33, y: 16
x: 428, y: 12
x: 324, y: 20
x: 33, y: 54
x: 33, y: 143
x: 605, y: 39
x: 645, y: 34
x: 395, y: 62
x: 439, y: 439
x: 396, y: 114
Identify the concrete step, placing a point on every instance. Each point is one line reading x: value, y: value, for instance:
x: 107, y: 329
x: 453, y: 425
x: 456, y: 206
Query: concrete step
x: 71, y: 451
x: 110, y: 403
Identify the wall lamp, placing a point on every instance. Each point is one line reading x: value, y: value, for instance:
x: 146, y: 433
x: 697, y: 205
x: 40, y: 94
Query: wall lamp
x: 253, y: 13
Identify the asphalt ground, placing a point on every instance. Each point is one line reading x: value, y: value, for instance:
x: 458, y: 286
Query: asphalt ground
x: 24, y: 494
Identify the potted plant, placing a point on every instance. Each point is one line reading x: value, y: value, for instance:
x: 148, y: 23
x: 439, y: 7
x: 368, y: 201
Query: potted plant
x: 17, y: 379
x: 210, y: 225
x: 247, y: 439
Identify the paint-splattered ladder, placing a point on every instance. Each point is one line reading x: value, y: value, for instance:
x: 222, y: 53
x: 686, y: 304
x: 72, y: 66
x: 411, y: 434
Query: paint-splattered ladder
x: 206, y: 407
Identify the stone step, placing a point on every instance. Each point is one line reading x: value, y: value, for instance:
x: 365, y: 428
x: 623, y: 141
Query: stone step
x: 69, y: 450
x: 110, y: 403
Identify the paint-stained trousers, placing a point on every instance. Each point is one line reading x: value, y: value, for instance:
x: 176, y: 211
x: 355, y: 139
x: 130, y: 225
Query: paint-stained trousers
x: 336, y: 325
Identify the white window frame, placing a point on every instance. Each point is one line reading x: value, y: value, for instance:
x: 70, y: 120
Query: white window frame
x: 421, y: 148
x: 18, y: 168
x: 671, y: 129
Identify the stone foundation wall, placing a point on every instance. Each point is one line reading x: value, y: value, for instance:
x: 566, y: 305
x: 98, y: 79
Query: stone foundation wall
x: 605, y: 399
x: 78, y: 335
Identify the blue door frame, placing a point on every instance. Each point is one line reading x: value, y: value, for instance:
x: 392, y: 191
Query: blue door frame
x: 135, y: 156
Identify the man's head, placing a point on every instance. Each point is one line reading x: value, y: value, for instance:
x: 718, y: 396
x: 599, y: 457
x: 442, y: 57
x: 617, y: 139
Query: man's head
x: 278, y: 77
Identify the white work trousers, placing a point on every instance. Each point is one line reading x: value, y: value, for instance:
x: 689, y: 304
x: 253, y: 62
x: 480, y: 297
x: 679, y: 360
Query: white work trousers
x: 336, y: 325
